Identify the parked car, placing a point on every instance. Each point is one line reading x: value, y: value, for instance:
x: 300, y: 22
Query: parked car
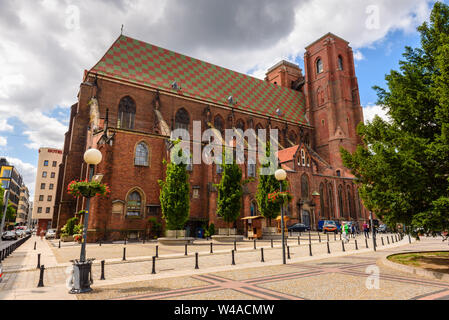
x: 330, y: 226
x: 28, y: 232
x: 382, y: 228
x: 9, y: 235
x: 299, y: 227
x: 20, y: 233
x: 51, y: 234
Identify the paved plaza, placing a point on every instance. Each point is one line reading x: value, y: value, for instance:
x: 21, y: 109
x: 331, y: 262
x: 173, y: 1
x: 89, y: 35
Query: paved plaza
x: 338, y: 275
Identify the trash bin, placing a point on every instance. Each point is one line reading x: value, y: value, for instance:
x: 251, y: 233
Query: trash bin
x: 200, y: 233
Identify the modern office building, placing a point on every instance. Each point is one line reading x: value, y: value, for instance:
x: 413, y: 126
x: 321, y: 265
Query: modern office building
x: 23, y: 207
x: 11, y: 179
x: 45, y: 190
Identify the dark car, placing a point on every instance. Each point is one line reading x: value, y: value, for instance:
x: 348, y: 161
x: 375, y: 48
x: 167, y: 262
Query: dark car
x: 9, y: 235
x: 299, y: 227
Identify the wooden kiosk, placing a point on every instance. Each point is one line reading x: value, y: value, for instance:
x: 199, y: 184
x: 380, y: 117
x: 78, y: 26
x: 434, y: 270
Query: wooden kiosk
x: 254, y: 226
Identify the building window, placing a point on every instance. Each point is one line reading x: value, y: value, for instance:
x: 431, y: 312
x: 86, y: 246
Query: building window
x: 47, y: 210
x: 49, y: 198
x: 126, y: 113
x: 304, y: 187
x: 182, y: 119
x: 340, y: 201
x: 323, y: 209
x: 142, y: 155
x: 55, y: 164
x: 303, y: 157
x: 253, y: 209
x: 53, y: 175
x: 6, y: 173
x: 218, y: 124
x: 189, y: 166
x: 51, y: 186
x: 251, y: 170
x: 351, y: 212
x: 331, y: 200
x: 42, y: 186
x: 196, y: 193
x: 41, y: 198
x: 134, y: 204
x: 219, y: 169
x: 44, y: 174
x: 240, y: 125
x: 46, y: 163
x: 153, y: 210
x: 338, y: 173
x: 39, y: 210
x: 340, y: 63
x: 319, y: 66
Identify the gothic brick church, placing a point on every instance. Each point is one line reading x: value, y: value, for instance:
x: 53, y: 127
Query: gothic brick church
x: 132, y: 99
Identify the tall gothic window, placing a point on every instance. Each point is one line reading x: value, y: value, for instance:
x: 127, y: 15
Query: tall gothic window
x: 323, y: 210
x: 240, y: 125
x: 304, y: 187
x: 218, y: 124
x: 330, y: 196
x: 351, y: 213
x: 141, y: 158
x: 340, y: 201
x: 319, y: 66
x: 134, y: 204
x: 182, y: 119
x: 293, y: 138
x: 340, y: 63
x: 126, y: 113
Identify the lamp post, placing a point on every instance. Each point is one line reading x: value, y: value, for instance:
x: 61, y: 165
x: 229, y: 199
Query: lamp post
x: 281, y: 175
x: 5, y: 209
x: 83, y: 268
x: 373, y: 230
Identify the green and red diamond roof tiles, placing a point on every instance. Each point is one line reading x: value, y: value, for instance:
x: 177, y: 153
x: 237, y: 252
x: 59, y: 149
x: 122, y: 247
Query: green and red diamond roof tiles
x: 145, y: 64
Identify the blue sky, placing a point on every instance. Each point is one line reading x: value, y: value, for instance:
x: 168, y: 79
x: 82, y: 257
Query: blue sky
x: 46, y: 45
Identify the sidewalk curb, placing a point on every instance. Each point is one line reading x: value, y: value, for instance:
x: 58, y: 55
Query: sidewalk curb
x: 434, y: 275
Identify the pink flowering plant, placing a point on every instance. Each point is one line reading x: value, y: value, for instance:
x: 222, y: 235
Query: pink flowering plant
x: 88, y: 189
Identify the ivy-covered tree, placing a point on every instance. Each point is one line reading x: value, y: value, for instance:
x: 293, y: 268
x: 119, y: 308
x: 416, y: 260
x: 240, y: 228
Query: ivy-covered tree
x: 175, y: 193
x: 268, y: 184
x: 230, y: 192
x: 403, y: 167
x: 10, y: 212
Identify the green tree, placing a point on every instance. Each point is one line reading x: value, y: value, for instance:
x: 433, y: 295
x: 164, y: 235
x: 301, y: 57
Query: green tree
x: 403, y: 167
x: 230, y: 191
x: 175, y: 193
x: 10, y: 212
x: 268, y: 184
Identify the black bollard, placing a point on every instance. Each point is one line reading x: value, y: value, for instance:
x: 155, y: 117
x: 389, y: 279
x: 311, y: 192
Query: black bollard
x: 262, y: 257
x: 41, y: 277
x: 382, y: 238
x: 157, y: 251
x: 124, y: 254
x: 233, y: 258
x: 102, y: 270
x: 185, y: 250
x: 319, y: 237
x: 356, y: 245
x: 288, y: 253
x: 100, y: 243
x: 328, y: 248
x: 396, y: 237
x: 327, y: 234
x: 272, y: 243
x: 154, y: 266
x: 124, y: 242
x: 310, y: 249
x: 335, y: 237
x: 255, y: 245
x: 59, y: 245
x: 388, y: 240
x: 235, y: 245
x: 343, y: 246
x: 34, y: 245
x: 340, y: 236
x: 38, y: 261
x: 299, y: 241
x: 409, y: 239
x: 392, y: 240
x: 310, y: 237
x: 1, y: 255
x: 196, y: 261
x: 211, y: 247
x: 366, y: 242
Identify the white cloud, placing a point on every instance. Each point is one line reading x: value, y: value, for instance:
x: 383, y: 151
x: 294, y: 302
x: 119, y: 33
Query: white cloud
x: 369, y: 112
x: 3, y: 141
x: 27, y: 170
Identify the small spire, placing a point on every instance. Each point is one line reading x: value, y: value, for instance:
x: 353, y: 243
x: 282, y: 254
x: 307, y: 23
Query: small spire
x: 121, y: 33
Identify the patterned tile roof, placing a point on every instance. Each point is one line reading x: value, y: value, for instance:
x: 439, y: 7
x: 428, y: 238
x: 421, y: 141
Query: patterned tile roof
x: 145, y: 64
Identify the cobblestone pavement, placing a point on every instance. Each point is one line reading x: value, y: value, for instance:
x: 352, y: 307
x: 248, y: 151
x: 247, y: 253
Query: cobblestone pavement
x: 339, y: 278
x: 217, y: 278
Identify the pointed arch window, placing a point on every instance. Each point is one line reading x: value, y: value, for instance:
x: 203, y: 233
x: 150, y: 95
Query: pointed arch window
x: 340, y: 201
x: 303, y: 157
x: 319, y: 66
x: 253, y: 209
x: 218, y: 124
x: 182, y: 119
x: 323, y: 209
x: 340, y: 63
x: 304, y: 187
x: 134, y: 204
x: 141, y: 157
x: 351, y: 212
x: 126, y: 113
x: 240, y: 125
x: 330, y: 196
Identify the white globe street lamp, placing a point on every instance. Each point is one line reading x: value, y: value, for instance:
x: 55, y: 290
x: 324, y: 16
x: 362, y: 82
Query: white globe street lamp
x: 280, y: 176
x: 93, y: 156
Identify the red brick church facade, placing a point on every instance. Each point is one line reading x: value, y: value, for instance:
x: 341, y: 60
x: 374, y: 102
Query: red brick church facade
x: 137, y: 93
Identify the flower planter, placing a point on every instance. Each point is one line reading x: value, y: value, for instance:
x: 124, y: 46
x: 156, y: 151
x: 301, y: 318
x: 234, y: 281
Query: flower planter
x: 227, y: 235
x: 67, y: 239
x: 175, y: 234
x: 227, y: 232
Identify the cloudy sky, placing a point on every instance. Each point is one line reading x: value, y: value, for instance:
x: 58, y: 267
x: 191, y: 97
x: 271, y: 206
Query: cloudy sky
x: 47, y: 44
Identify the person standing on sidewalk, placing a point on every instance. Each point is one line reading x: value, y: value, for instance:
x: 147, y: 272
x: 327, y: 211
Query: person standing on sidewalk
x: 345, y: 231
x: 365, y: 229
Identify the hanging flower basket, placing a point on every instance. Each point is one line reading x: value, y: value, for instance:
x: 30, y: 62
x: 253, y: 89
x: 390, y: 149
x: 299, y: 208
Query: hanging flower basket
x: 280, y: 197
x: 88, y: 189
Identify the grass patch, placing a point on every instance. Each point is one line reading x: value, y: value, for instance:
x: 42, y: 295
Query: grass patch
x: 438, y: 261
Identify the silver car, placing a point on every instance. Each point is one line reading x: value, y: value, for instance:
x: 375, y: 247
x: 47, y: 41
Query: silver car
x: 51, y: 234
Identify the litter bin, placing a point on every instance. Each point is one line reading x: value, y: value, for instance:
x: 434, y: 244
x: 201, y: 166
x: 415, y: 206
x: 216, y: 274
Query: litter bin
x: 200, y: 233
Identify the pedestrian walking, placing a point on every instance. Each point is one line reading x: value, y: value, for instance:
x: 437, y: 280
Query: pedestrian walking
x: 353, y: 230
x: 365, y: 229
x: 345, y: 231
x: 42, y: 234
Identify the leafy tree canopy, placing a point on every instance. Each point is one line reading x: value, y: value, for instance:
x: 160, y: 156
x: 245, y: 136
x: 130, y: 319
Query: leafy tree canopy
x: 403, y: 167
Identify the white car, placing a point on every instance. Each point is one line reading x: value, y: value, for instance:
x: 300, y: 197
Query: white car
x: 51, y: 234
